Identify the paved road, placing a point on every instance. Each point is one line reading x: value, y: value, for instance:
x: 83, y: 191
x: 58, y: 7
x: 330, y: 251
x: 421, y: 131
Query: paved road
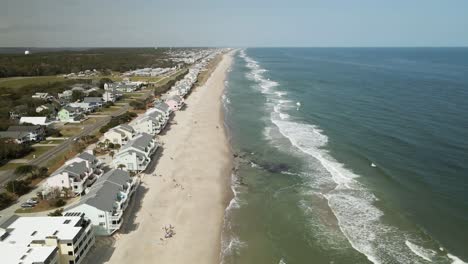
x: 6, y: 176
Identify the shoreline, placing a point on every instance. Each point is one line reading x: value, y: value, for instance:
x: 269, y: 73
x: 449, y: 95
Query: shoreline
x: 189, y: 187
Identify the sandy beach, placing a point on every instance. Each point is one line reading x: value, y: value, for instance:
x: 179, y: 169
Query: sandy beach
x: 188, y: 189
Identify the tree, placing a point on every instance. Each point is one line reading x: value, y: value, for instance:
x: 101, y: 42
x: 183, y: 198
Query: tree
x: 121, y: 166
x: 138, y: 105
x: 5, y: 200
x: 18, y: 187
x: 77, y: 95
x: 60, y: 203
x: 25, y: 169
x: 58, y: 212
x: 41, y: 172
x: 102, y: 81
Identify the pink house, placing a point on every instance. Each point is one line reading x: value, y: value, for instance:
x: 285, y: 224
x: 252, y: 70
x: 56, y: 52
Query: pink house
x: 175, y: 102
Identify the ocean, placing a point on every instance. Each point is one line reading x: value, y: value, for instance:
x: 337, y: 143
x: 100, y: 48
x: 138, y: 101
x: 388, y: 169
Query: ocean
x: 348, y: 155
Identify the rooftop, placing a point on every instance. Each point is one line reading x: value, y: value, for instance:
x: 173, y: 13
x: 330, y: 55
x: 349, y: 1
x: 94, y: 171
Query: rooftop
x: 103, y: 193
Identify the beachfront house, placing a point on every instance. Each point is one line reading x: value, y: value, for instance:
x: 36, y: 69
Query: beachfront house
x: 175, y: 102
x: 45, y: 239
x: 69, y: 114
x: 164, y: 109
x: 106, y: 201
x: 76, y: 175
x: 148, y: 123
x: 120, y: 134
x: 135, y: 156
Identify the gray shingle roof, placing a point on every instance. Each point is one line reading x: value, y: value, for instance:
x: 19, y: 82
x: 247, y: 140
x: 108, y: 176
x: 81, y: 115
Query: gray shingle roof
x: 24, y: 128
x: 127, y: 128
x: 141, y: 141
x: 86, y: 156
x: 13, y: 134
x: 162, y: 106
x: 103, y: 193
x: 75, y: 168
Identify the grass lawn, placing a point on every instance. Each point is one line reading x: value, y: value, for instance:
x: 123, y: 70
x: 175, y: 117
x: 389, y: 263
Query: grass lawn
x: 91, y: 120
x: 70, y: 130
x: 18, y: 82
x: 146, y: 79
x: 55, y: 141
x: 10, y: 166
x: 38, y: 151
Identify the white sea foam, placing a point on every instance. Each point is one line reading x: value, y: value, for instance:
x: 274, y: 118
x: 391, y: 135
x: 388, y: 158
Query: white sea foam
x: 351, y: 203
x: 455, y: 260
x: 231, y: 247
x: 424, y: 253
x: 230, y: 243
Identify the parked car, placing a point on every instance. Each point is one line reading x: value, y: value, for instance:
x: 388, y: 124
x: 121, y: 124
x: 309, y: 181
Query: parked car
x: 32, y: 201
x: 27, y: 205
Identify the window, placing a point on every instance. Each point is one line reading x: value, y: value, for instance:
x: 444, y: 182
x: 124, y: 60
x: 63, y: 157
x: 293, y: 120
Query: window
x: 71, y: 262
x: 70, y: 253
x: 102, y: 223
x: 69, y: 244
x: 101, y: 216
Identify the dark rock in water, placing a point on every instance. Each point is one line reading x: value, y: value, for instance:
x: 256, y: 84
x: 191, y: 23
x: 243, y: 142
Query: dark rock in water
x: 275, y: 168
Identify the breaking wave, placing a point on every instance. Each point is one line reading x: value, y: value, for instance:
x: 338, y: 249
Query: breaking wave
x: 350, y: 201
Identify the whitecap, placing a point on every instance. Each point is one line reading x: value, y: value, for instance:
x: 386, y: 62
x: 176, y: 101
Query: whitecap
x: 455, y: 259
x: 424, y: 253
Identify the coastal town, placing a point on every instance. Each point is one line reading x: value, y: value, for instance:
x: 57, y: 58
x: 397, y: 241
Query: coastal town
x: 64, y: 209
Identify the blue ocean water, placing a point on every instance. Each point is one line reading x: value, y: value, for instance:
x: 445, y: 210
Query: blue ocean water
x: 348, y: 155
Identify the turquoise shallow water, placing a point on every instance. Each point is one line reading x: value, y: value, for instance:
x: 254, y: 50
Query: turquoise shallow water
x: 348, y: 156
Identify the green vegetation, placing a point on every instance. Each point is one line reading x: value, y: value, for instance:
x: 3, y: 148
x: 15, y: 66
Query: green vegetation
x: 138, y: 104
x: 117, y: 120
x: 6, y: 200
x: 162, y: 88
x: 18, y: 99
x: 103, y: 59
x: 18, y: 187
x: 58, y: 212
x: 18, y: 82
x: 60, y: 203
x: 10, y: 150
x: 32, y: 171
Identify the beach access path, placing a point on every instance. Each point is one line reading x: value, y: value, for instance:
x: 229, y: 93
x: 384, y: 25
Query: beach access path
x: 188, y: 188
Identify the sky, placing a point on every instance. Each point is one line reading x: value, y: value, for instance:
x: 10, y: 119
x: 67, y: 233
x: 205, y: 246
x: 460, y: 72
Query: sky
x: 233, y: 23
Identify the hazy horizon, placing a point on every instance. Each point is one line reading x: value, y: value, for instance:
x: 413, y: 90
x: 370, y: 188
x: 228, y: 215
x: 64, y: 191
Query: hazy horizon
x: 210, y: 23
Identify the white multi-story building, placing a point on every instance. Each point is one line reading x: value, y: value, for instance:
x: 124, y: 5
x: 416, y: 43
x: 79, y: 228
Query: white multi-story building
x: 120, y: 134
x: 150, y: 124
x: 107, y: 200
x: 76, y: 174
x: 49, y: 240
x: 136, y: 154
x: 164, y: 109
